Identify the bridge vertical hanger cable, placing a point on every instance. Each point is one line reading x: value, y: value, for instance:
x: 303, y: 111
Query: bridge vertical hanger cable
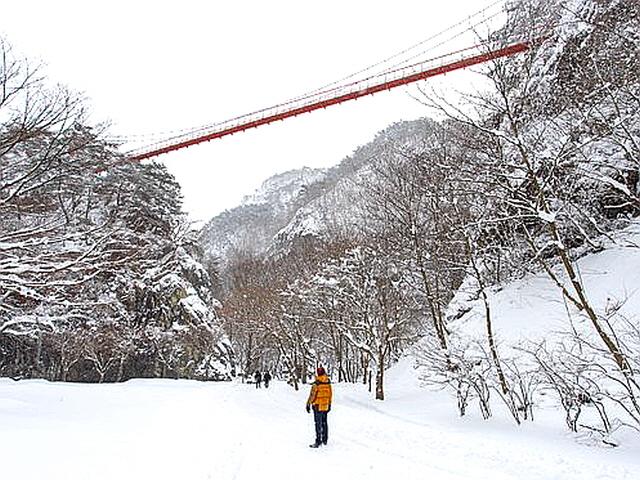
x: 395, y: 75
x: 471, y: 22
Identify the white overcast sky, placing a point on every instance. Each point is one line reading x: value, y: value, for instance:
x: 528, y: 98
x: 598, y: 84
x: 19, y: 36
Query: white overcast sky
x: 157, y: 66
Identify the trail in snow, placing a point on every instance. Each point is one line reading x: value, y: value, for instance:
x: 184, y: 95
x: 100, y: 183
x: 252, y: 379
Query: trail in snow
x: 160, y: 429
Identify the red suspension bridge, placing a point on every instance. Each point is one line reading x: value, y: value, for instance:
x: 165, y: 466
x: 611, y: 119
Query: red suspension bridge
x: 400, y: 74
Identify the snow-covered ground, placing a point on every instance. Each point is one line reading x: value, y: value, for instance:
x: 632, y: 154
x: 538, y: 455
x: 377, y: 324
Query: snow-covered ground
x: 187, y: 430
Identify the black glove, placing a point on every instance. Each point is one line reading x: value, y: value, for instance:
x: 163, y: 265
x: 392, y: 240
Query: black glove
x: 329, y: 409
x: 308, y: 408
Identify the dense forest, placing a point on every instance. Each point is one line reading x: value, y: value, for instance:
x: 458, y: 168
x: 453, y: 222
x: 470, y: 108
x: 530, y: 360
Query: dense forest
x: 102, y: 279
x: 98, y: 273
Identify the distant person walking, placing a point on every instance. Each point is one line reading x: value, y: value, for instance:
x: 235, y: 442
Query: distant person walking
x: 258, y: 378
x: 267, y: 378
x: 320, y: 401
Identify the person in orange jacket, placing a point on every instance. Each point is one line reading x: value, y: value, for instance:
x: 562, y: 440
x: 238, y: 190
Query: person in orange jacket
x: 320, y: 401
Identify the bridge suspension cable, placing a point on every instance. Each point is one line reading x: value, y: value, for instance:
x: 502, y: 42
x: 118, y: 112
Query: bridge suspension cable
x: 354, y: 86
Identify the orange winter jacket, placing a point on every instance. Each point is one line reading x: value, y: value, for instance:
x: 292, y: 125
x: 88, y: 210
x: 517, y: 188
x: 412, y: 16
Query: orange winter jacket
x: 320, y: 396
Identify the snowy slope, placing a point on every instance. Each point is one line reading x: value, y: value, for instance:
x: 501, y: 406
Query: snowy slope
x: 161, y: 429
x: 340, y: 209
x: 533, y: 308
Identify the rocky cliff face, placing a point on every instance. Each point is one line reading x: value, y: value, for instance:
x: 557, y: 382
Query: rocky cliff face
x: 251, y: 226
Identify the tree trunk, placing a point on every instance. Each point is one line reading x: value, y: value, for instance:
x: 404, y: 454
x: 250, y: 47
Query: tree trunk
x: 380, y: 378
x: 120, y: 370
x: 612, y: 346
x: 438, y: 322
x: 492, y: 345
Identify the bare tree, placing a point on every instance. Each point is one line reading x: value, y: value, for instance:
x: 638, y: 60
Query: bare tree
x: 409, y: 198
x: 370, y: 293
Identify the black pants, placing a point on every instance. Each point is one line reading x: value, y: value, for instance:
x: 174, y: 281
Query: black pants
x: 322, y: 428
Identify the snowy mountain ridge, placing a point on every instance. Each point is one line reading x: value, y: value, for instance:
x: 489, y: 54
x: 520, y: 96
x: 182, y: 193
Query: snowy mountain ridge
x: 250, y: 227
x: 317, y: 203
x: 283, y: 188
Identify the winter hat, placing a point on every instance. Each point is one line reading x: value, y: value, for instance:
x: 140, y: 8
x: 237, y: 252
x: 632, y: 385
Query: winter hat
x: 320, y: 371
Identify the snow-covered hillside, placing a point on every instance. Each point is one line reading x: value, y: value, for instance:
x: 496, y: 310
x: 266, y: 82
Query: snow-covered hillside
x: 162, y: 429
x: 532, y: 309
x: 306, y: 202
